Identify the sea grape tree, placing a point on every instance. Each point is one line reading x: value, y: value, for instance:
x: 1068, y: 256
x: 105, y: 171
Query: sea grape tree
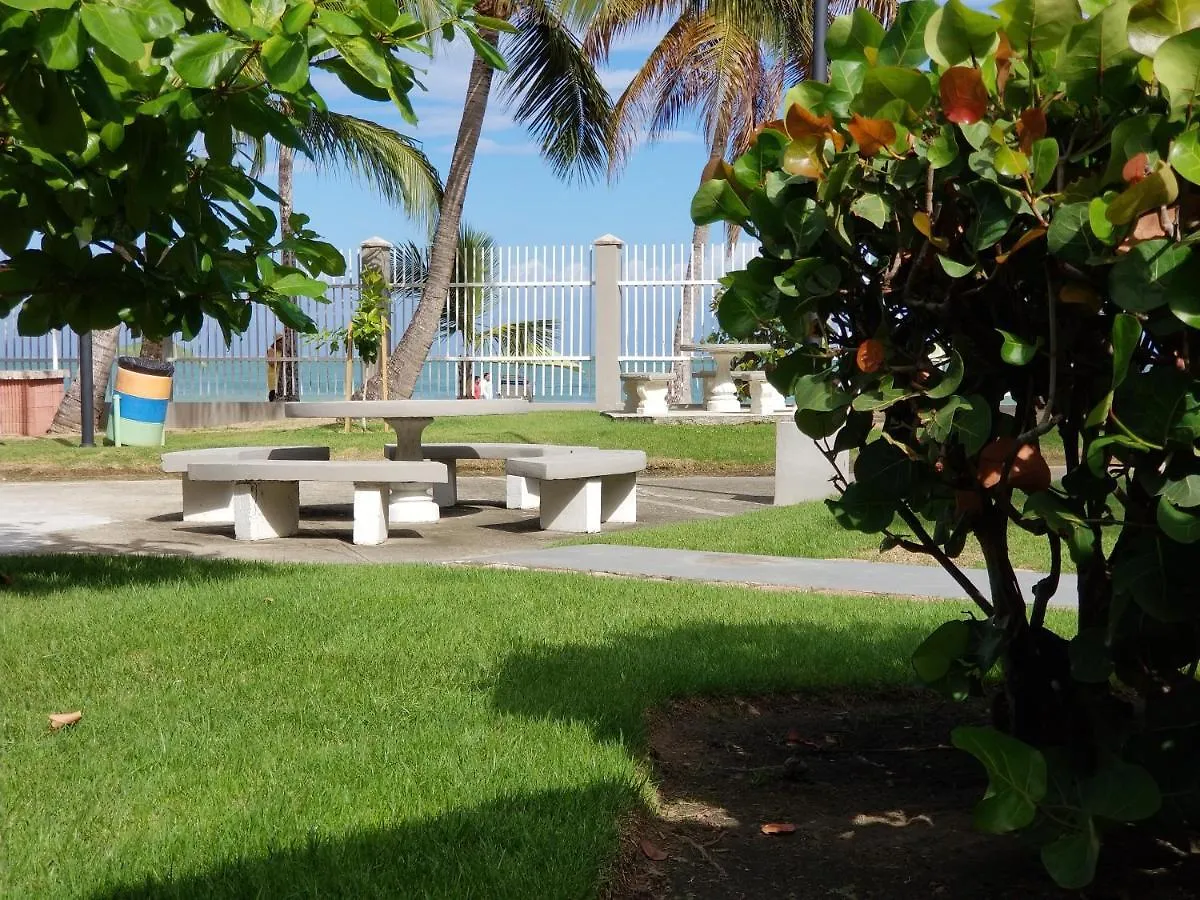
x: 981, y: 240
x: 125, y: 195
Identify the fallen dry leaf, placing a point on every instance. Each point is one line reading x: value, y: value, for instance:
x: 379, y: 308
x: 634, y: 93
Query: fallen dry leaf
x: 794, y: 737
x: 778, y: 828
x: 653, y: 851
x: 62, y: 720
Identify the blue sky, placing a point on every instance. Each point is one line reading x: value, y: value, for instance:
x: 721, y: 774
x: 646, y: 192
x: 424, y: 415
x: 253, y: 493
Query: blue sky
x: 513, y: 195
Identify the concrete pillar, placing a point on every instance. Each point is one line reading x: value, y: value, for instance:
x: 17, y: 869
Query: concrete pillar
x: 376, y: 253
x: 607, y: 252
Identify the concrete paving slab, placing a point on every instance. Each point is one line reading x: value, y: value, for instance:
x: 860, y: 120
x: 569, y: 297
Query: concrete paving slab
x: 850, y: 576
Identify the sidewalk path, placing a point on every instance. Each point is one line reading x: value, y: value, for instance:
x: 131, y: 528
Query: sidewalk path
x: 851, y: 576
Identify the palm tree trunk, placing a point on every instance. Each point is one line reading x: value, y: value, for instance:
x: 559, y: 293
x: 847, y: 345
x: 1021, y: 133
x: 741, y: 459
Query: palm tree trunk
x: 151, y: 349
x: 413, y: 349
x: 679, y: 390
x: 68, y: 419
x: 287, y: 378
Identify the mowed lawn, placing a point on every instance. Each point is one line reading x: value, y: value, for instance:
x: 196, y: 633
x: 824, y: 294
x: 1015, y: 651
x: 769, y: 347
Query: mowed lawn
x: 806, y: 530
x: 369, y: 731
x: 746, y: 448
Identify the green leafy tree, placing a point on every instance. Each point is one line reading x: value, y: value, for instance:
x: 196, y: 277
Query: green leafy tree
x: 985, y: 206
x: 122, y: 196
x: 724, y: 63
x: 471, y: 302
x: 556, y: 94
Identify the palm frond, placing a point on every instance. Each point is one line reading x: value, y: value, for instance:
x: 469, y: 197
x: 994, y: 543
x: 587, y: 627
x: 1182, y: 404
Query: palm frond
x: 528, y: 337
x: 389, y: 162
x: 557, y: 92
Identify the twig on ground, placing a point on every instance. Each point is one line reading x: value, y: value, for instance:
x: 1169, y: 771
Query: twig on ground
x: 707, y: 856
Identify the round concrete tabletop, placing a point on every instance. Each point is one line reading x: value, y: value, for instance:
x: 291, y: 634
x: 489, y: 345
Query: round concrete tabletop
x: 402, y: 409
x: 727, y: 348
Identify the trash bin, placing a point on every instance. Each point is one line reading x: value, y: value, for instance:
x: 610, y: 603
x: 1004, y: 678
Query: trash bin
x: 139, y: 402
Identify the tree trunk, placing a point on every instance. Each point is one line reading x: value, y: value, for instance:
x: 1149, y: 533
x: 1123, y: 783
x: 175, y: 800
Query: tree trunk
x: 287, y: 377
x: 68, y: 419
x: 410, y: 355
x: 679, y: 390
x: 152, y: 349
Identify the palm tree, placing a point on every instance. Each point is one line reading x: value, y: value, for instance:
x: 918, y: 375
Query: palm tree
x: 726, y: 62
x: 469, y: 310
x: 391, y: 163
x: 558, y: 96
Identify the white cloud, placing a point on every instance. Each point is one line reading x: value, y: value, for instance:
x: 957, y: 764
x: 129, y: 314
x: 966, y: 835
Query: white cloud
x: 616, y: 80
x: 490, y: 147
x: 678, y: 137
x: 640, y: 41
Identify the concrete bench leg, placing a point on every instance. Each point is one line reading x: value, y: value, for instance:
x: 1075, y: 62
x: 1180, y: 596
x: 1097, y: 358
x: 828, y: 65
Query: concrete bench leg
x: 447, y: 494
x: 764, y: 399
x: 207, y: 502
x: 652, y: 398
x: 631, y: 396
x: 265, y: 509
x: 522, y: 492
x: 412, y: 504
x: 618, y: 498
x: 371, y: 513
x: 572, y: 506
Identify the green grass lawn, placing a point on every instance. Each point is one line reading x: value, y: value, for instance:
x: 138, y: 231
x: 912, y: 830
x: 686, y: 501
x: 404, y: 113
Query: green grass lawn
x: 368, y: 731
x: 806, y: 529
x: 749, y: 448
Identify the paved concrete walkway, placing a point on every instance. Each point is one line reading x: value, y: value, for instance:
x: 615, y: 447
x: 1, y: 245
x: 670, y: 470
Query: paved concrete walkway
x: 143, y: 517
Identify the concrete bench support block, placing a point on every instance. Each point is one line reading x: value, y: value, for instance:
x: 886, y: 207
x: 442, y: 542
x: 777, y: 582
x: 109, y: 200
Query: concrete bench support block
x: 646, y: 392
x: 412, y: 504
x: 571, y: 505
x: 618, y: 498
x: 207, y: 502
x: 801, y: 471
x: 446, y: 494
x: 371, y: 513
x: 263, y: 510
x: 522, y: 492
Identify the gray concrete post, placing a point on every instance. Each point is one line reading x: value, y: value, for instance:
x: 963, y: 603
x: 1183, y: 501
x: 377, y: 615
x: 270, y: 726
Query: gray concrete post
x: 376, y: 253
x: 607, y: 252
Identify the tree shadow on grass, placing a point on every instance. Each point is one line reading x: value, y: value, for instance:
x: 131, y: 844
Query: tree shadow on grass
x: 550, y: 844
x: 609, y: 686
x: 36, y: 575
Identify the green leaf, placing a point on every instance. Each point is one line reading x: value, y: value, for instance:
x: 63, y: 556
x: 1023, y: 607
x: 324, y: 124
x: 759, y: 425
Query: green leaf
x: 1159, y: 188
x: 860, y: 510
x: 1147, y: 402
x: 1152, y: 274
x: 1098, y: 219
x: 1177, y: 67
x: 737, y: 314
x: 950, y: 379
x: 297, y: 17
x: 1185, y: 492
x: 1185, y: 154
x: 883, y: 396
x: 1016, y: 351
x: 36, y: 5
x: 955, y: 269
x: 1178, y: 524
x: 1040, y: 24
x: 1126, y: 335
x: 938, y: 652
x: 234, y: 13
x: 486, y: 50
x: 818, y: 393
x: 1094, y: 49
x: 1122, y: 792
x: 201, y: 58
x: 60, y: 39
x: 716, y: 201
x: 1069, y: 237
x: 383, y: 13
x: 365, y: 57
x: 285, y: 61
x: 113, y: 28
x: 1151, y: 22
x: 296, y: 284
x: 943, y: 149
x: 820, y: 425
x: 956, y: 33
x: 884, y: 85
x: 1090, y: 654
x: 155, y: 18
x: 973, y: 424
x: 850, y: 35
x: 1016, y: 778
x: 762, y: 158
x: 1012, y: 163
x: 995, y: 210
x: 904, y: 43
x: 806, y: 221
x: 1071, y: 859
x: 1129, y: 138
x: 872, y: 207
x: 1044, y: 162
x: 267, y: 13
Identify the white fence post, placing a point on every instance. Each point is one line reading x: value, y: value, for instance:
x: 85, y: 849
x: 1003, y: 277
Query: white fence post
x: 606, y: 320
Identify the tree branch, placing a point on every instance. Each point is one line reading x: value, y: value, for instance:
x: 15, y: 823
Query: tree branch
x: 1045, y: 589
x: 911, y: 520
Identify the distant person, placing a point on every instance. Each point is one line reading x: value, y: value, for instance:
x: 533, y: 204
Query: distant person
x: 273, y: 354
x: 475, y: 389
x: 487, y: 386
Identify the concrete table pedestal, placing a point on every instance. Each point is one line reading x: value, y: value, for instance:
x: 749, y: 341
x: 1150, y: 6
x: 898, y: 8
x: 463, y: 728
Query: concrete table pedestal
x: 722, y: 395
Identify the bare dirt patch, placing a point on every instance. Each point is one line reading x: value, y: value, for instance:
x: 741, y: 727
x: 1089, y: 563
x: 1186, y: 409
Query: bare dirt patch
x: 872, y: 800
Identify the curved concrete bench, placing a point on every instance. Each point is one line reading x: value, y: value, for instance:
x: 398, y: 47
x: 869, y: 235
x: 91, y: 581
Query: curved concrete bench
x: 266, y: 493
x: 211, y: 503
x: 520, y: 493
x: 764, y: 399
x: 646, y: 392
x: 581, y: 491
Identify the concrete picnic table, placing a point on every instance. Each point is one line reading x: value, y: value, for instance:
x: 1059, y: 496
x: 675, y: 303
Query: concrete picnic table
x: 411, y: 503
x: 722, y: 396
